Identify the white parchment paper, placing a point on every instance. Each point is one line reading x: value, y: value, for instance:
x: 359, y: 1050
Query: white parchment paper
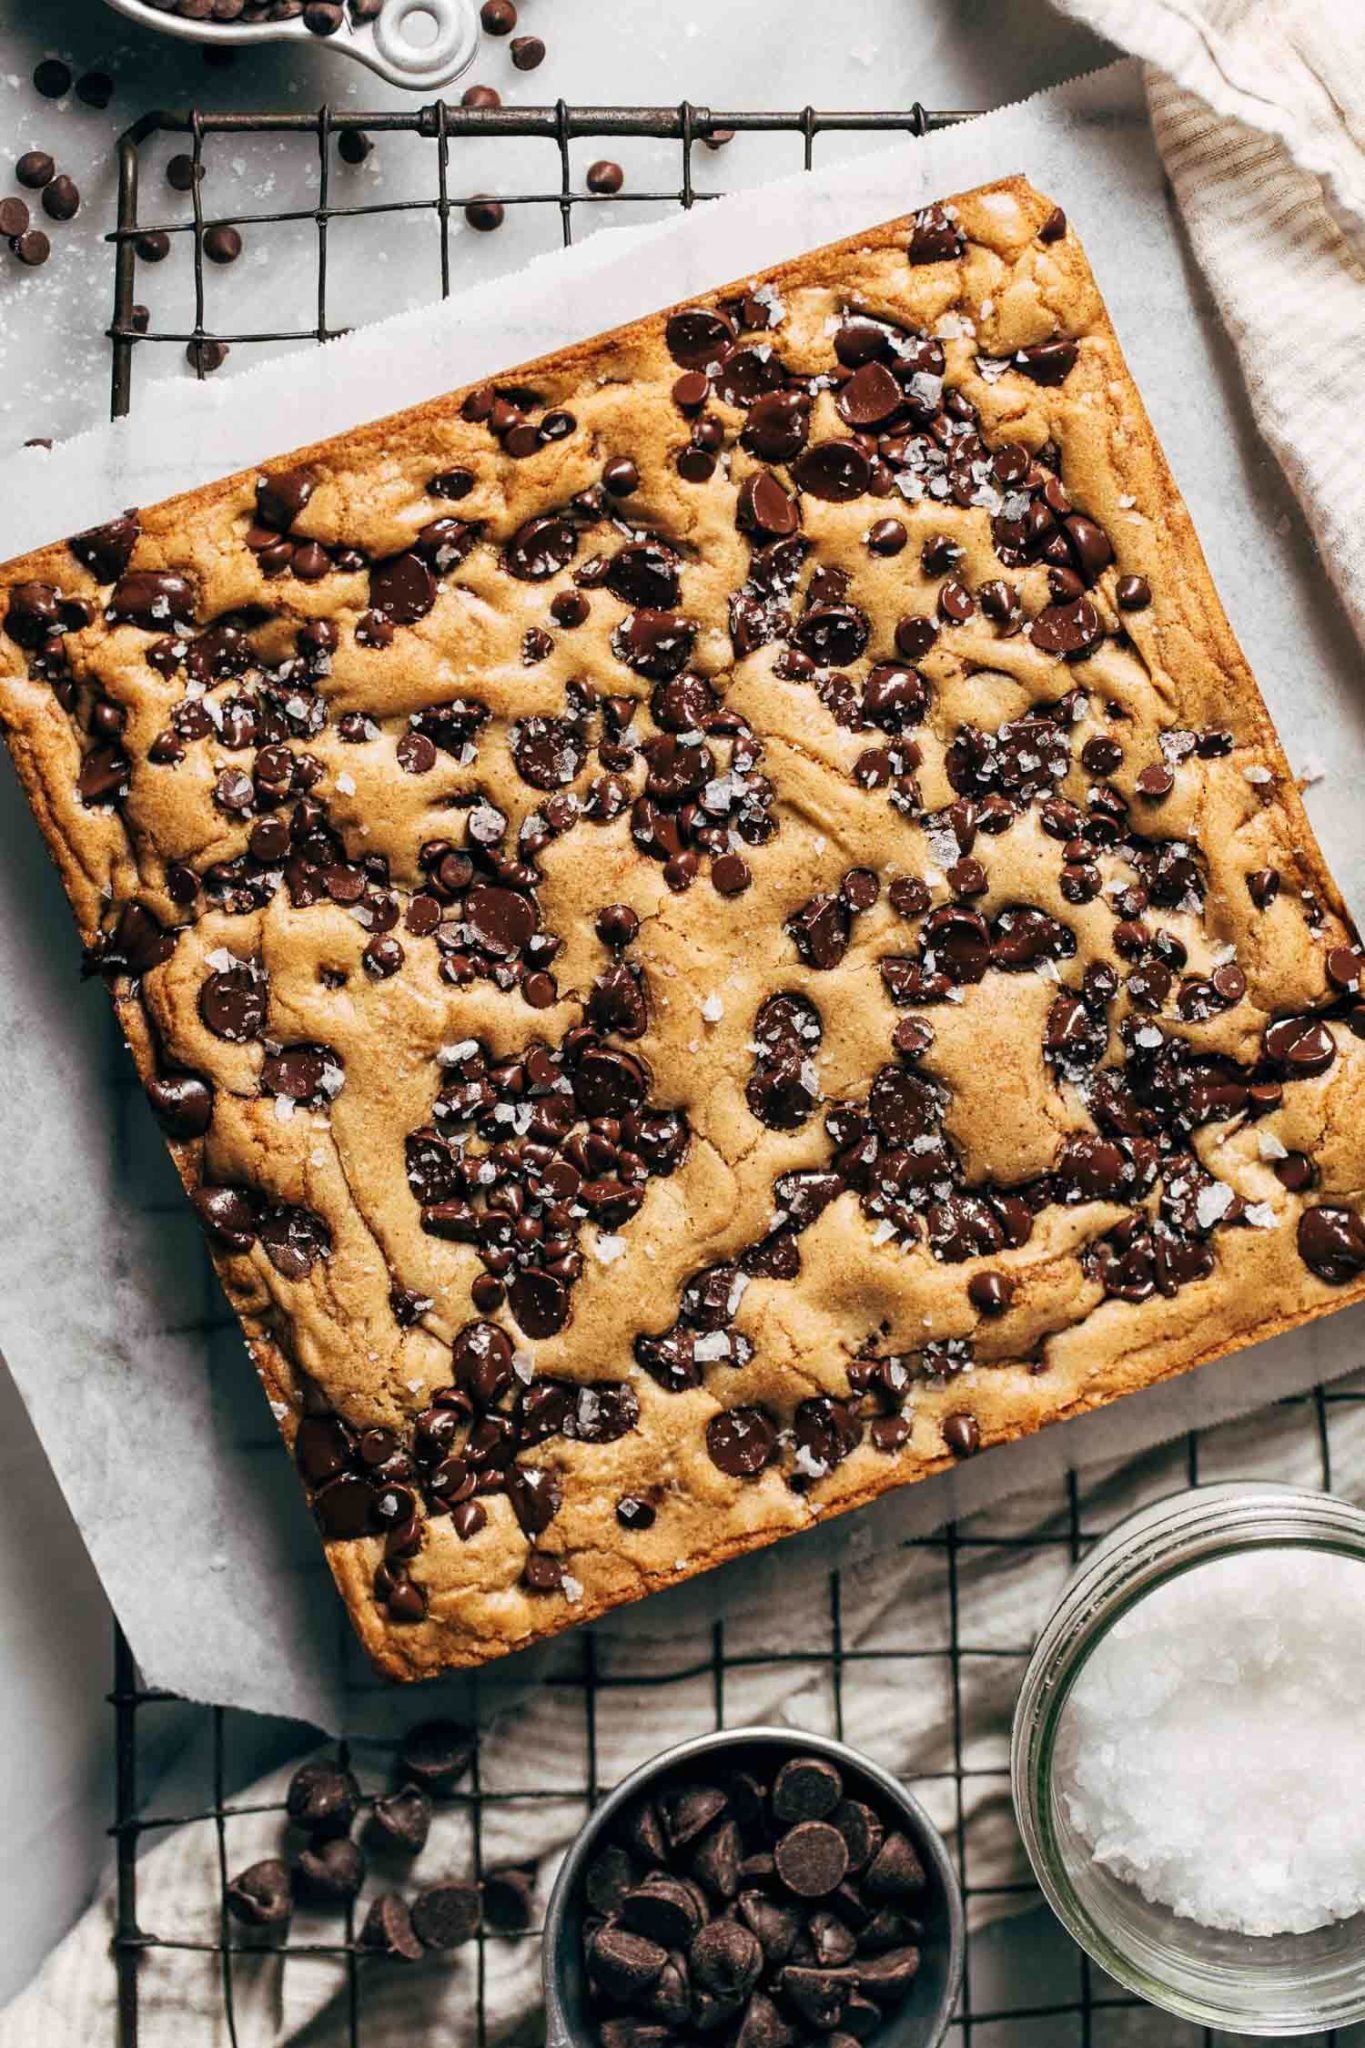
x: 110, y: 1319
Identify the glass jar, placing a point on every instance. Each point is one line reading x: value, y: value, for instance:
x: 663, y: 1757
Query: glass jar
x: 1277, y: 1984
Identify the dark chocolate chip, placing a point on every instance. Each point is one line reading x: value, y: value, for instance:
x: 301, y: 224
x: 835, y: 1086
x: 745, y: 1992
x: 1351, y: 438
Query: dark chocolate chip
x: 436, y: 1756
x: 323, y: 1798
x: 725, y: 1960
x: 262, y: 1895
x: 388, y: 1929
x: 183, y: 1104
x: 811, y: 1858
x: 445, y: 1916
x: 1331, y: 1241
x: 806, y: 1788
x: 895, y: 1872
x: 402, y: 1819
x: 741, y: 1441
x: 625, y: 1965
x: 331, y: 1871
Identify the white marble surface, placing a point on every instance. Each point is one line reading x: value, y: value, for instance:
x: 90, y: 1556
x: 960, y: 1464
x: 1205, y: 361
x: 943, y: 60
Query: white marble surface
x: 55, y: 1753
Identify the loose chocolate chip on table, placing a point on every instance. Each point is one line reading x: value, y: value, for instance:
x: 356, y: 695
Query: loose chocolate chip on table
x: 388, y: 1929
x: 32, y: 248
x: 445, y: 1916
x: 331, y: 1871
x: 499, y: 17
x: 204, y: 357
x: 508, y: 1897
x: 480, y: 96
x: 323, y: 1798
x: 323, y: 17
x: 154, y: 246
x: 528, y: 52
x: 604, y: 176
x: 262, y: 1895
x: 35, y: 169
x: 353, y: 145
x: 52, y: 78
x: 484, y: 213
x: 182, y: 172
x: 436, y: 1755
x: 14, y: 218
x: 402, y: 1819
x: 811, y: 1858
x: 222, y: 244
x: 61, y: 199
x: 95, y: 89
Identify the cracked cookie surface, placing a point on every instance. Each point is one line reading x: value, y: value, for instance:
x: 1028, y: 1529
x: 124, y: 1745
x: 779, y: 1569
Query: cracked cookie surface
x: 713, y: 924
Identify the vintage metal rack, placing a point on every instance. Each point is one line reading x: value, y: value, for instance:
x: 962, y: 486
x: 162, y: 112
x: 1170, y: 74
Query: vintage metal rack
x: 1092, y: 2010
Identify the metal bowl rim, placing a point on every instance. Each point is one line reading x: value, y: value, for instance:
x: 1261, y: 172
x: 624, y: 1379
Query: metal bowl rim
x: 560, y: 2032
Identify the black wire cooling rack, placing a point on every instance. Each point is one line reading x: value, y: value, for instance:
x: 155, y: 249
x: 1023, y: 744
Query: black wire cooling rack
x: 1062, y: 2002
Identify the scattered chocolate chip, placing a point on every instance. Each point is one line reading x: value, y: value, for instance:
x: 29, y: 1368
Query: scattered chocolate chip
x: 445, y: 1916
x: 402, y: 1819
x: 35, y: 169
x: 388, y: 1929
x: 1134, y: 593
x: 222, y: 244
x: 323, y: 1798
x: 436, y: 1756
x: 61, y: 199
x: 52, y: 78
x: 484, y: 213
x: 331, y: 1872
x: 262, y: 1895
x: 32, y: 248
x: 528, y: 52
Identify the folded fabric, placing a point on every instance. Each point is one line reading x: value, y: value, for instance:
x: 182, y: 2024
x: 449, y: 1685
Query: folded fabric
x: 1259, y: 113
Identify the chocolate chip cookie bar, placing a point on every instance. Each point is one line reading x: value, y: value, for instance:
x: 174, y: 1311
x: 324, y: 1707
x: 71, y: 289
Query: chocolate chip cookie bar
x: 713, y: 924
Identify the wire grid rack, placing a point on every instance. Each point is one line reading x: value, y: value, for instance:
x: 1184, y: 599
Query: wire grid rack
x: 1078, y: 2006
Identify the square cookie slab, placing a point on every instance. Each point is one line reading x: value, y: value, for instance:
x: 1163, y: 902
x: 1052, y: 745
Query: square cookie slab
x: 713, y: 925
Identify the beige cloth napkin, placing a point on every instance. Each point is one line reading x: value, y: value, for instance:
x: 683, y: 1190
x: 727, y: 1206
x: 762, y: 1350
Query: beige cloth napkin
x: 1259, y: 110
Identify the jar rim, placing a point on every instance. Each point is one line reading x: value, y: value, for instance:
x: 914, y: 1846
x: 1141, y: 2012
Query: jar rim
x: 1148, y: 1549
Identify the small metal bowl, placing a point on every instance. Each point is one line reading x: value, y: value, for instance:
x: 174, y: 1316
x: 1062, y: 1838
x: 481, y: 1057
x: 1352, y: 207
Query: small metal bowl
x: 920, y: 2022
x: 388, y: 45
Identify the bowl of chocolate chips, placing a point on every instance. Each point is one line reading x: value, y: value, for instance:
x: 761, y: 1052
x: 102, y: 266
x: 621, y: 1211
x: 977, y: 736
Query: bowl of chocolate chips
x: 757, y: 1888
x: 417, y: 43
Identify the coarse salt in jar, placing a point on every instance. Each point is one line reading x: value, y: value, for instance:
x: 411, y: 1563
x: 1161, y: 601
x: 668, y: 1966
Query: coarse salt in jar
x: 1188, y: 1757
